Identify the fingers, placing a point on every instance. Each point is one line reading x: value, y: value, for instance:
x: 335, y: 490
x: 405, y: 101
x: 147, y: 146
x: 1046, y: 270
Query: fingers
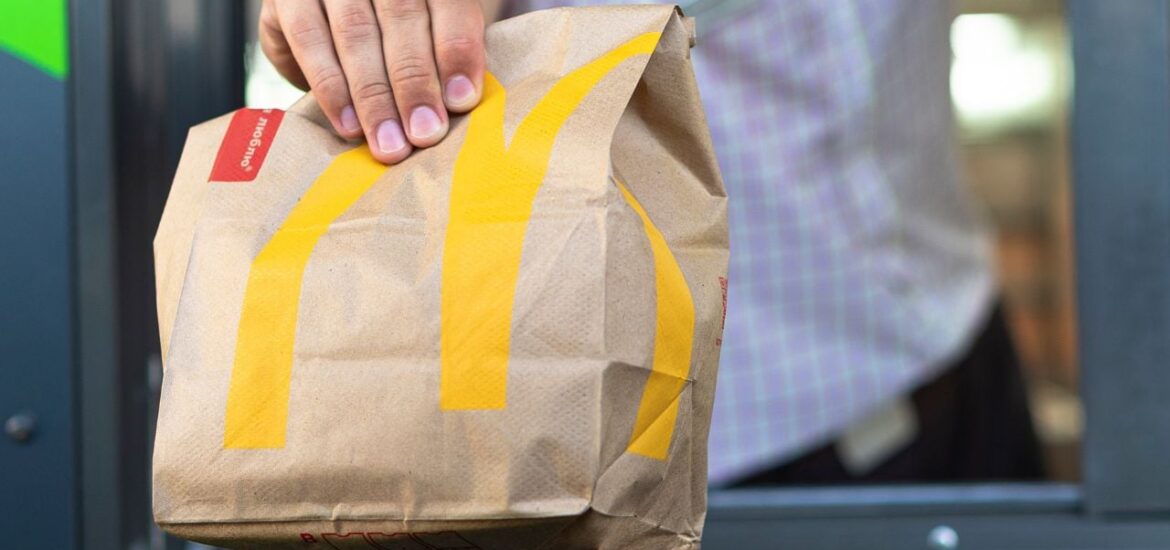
x: 307, y: 32
x: 358, y: 40
x: 386, y: 69
x: 458, y: 28
x: 410, y: 63
x: 276, y: 48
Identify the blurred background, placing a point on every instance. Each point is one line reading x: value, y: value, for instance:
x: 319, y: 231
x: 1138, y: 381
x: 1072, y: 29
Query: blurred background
x: 139, y: 73
x: 1011, y: 83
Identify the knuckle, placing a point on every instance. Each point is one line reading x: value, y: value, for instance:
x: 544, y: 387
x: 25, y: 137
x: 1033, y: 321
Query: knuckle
x: 306, y: 33
x: 369, y: 91
x: 355, y: 22
x: 411, y: 72
x: 329, y: 82
x: 458, y: 48
x: 394, y: 10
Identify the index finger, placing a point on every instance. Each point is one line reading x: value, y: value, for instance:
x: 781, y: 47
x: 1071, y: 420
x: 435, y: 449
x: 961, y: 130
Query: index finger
x: 307, y: 31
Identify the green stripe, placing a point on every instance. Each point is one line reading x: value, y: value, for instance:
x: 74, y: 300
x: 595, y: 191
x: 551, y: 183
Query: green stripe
x: 37, y: 32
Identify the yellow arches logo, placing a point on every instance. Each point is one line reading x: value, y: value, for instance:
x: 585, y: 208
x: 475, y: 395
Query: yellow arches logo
x: 257, y: 405
x: 674, y: 331
x: 493, y: 189
x: 491, y: 201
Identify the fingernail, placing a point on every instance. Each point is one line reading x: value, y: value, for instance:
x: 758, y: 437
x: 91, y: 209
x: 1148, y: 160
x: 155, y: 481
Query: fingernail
x: 390, y: 138
x: 460, y: 91
x: 349, y: 120
x: 424, y: 123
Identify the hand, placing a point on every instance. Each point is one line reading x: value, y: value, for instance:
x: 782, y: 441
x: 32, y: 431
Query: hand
x: 386, y: 69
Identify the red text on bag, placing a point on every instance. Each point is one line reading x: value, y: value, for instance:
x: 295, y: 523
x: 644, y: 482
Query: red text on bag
x: 245, y: 145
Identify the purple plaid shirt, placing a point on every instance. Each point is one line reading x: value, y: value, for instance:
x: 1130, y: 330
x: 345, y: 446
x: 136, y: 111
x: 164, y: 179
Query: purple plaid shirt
x: 858, y: 268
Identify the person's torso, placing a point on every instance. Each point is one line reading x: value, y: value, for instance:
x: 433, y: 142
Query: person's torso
x: 857, y: 264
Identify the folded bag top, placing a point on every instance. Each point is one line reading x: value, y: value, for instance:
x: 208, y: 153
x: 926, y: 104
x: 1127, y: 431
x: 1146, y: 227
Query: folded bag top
x: 509, y: 340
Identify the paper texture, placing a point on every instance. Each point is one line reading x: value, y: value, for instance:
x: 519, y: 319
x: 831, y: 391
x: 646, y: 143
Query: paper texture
x: 509, y: 340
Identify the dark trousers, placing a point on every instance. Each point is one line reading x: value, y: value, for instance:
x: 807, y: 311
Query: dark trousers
x: 974, y: 424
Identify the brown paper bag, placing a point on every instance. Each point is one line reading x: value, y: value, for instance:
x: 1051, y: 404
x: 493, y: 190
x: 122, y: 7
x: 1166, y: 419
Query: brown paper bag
x: 507, y: 341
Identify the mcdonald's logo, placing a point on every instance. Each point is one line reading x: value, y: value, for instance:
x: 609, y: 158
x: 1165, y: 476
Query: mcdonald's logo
x: 493, y: 189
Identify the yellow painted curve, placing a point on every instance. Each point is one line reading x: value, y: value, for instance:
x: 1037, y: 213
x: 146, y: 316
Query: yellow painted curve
x: 491, y: 201
x: 674, y: 331
x: 257, y: 405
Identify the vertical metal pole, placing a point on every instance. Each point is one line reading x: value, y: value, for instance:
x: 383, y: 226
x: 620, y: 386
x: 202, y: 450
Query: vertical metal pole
x: 1121, y: 155
x: 91, y: 105
x: 176, y: 63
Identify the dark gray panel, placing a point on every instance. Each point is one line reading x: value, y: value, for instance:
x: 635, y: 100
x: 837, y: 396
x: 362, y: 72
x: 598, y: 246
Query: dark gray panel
x: 1121, y: 149
x: 989, y: 532
x: 1001, y: 517
x: 37, y: 500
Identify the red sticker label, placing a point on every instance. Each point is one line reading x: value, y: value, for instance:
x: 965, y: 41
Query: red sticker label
x: 245, y: 145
